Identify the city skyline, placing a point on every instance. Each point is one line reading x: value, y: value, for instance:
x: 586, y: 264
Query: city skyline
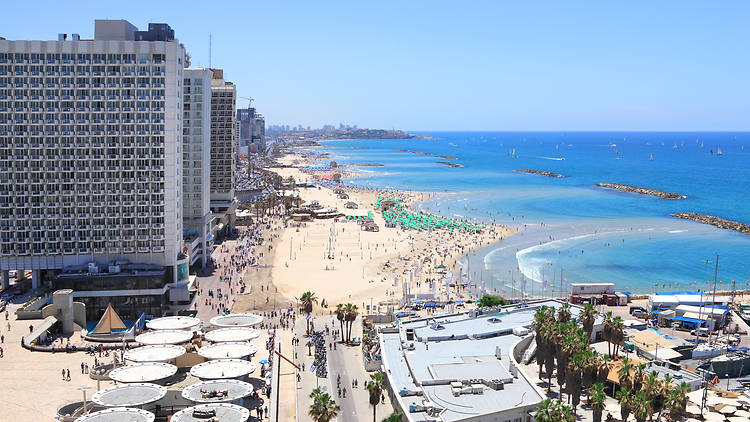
x: 484, y: 66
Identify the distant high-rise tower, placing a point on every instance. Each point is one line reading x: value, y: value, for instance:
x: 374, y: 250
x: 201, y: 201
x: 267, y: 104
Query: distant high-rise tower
x: 196, y: 164
x: 223, y: 105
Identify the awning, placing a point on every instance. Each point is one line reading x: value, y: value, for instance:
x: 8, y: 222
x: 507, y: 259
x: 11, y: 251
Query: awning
x: 690, y: 320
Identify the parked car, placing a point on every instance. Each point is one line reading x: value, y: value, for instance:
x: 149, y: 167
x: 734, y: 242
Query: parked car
x: 700, y: 332
x: 637, y: 309
x: 638, y: 313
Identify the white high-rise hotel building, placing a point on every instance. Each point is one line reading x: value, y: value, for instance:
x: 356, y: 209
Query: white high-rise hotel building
x: 91, y: 139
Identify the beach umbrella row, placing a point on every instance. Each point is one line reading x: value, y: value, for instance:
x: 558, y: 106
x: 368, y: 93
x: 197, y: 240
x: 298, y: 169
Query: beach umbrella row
x: 409, y: 220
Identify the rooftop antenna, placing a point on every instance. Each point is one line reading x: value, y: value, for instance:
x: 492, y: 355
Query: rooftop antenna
x: 209, y: 50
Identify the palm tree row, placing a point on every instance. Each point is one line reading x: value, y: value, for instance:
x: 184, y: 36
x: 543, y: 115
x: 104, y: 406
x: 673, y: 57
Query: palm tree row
x: 346, y: 314
x: 645, y: 394
x: 562, y: 345
x: 614, y: 332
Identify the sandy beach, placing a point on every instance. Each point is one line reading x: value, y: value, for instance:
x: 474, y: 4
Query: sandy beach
x: 342, y: 263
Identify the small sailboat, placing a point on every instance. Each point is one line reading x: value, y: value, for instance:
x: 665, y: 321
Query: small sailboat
x: 674, y: 146
x: 651, y: 157
x: 718, y: 151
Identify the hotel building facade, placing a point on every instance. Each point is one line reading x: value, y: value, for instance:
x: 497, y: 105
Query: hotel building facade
x: 91, y: 140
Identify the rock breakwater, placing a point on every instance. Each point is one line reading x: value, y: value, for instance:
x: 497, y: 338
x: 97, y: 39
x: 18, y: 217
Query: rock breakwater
x: 719, y: 222
x: 539, y: 172
x: 642, y: 190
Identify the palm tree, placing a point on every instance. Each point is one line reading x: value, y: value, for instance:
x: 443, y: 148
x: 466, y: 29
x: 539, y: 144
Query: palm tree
x: 652, y: 387
x: 393, y: 417
x: 624, y: 374
x: 607, y: 333
x: 676, y: 401
x: 588, y: 317
x: 375, y: 388
x: 597, y: 401
x: 618, y: 333
x: 350, y: 316
x: 591, y: 367
x: 638, y: 376
x: 563, y: 314
x: 574, y: 376
x: 625, y: 400
x: 553, y: 411
x: 306, y: 300
x: 340, y: 315
x: 541, y: 323
x: 641, y: 407
x: 323, y: 408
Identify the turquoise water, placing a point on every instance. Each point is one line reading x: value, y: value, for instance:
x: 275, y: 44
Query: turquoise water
x: 588, y: 233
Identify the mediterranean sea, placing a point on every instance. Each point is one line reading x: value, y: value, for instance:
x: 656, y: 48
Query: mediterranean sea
x: 571, y: 230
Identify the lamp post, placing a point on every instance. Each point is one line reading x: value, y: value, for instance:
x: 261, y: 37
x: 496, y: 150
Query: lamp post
x: 84, y: 388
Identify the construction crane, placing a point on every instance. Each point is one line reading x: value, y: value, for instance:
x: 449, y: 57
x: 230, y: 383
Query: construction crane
x: 249, y: 101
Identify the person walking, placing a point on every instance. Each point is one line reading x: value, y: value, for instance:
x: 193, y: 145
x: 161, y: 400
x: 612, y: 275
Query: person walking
x: 63, y: 374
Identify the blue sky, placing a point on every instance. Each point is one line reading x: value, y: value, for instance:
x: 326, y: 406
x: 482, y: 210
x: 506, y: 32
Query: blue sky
x: 474, y: 65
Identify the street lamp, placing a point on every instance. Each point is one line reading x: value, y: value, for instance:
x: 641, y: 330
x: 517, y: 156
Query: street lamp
x: 84, y: 388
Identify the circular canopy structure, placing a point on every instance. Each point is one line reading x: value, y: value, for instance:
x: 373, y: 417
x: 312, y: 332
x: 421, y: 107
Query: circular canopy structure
x: 228, y: 350
x: 135, y: 394
x: 217, y: 391
x: 143, y: 372
x: 236, y: 320
x: 224, y: 412
x: 222, y: 369
x: 155, y: 353
x: 118, y: 414
x: 232, y: 334
x: 173, y: 323
x: 164, y: 337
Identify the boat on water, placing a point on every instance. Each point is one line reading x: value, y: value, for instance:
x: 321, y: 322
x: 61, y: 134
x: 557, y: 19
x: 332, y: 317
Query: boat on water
x: 651, y: 157
x: 718, y: 151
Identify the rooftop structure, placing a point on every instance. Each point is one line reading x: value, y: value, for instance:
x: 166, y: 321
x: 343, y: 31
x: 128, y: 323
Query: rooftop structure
x: 143, y: 372
x: 217, y: 391
x: 228, y: 350
x: 174, y: 323
x: 155, y: 353
x: 223, y: 412
x: 118, y: 414
x: 463, y: 366
x: 135, y: 394
x: 236, y: 320
x: 232, y: 334
x: 164, y: 337
x: 222, y: 369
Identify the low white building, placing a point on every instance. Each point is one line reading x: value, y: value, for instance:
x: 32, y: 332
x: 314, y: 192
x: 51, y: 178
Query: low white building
x: 463, y: 366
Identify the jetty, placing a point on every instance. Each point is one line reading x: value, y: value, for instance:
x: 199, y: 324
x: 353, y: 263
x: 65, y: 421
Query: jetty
x: 719, y: 222
x: 449, y: 164
x: 642, y: 190
x: 539, y: 172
